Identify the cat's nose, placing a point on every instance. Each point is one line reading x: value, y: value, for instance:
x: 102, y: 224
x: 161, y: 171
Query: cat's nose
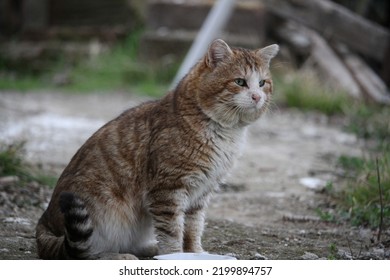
x: 255, y: 97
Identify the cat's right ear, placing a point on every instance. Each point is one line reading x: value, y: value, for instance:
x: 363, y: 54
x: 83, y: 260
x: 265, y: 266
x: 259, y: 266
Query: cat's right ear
x: 268, y: 53
x: 217, y: 52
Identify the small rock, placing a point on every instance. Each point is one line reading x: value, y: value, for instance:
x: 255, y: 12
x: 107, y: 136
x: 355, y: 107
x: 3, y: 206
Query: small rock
x: 387, y: 254
x: 21, y: 221
x: 9, y: 180
x: 309, y: 256
x: 258, y: 256
x: 379, y: 252
x: 312, y: 183
x: 344, y: 254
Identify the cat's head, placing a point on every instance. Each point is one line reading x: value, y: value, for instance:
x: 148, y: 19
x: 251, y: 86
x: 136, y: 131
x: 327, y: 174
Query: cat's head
x: 235, y: 84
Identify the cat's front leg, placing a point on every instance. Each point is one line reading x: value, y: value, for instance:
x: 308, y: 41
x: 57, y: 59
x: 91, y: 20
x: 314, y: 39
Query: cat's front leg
x: 193, y: 230
x: 168, y: 218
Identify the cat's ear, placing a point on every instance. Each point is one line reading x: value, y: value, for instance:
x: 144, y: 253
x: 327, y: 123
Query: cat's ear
x: 217, y: 52
x: 267, y: 53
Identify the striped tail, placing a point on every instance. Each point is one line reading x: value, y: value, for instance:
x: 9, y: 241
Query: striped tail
x: 74, y: 244
x: 78, y: 225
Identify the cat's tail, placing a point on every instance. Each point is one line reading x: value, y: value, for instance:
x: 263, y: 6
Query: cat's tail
x: 74, y: 244
x: 78, y: 225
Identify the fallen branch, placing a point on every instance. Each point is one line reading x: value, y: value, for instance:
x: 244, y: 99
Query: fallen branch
x: 336, y: 22
x: 328, y: 61
x: 371, y: 84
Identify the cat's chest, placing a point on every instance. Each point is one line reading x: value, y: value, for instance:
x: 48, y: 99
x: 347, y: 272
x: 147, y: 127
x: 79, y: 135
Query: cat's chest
x: 224, y: 151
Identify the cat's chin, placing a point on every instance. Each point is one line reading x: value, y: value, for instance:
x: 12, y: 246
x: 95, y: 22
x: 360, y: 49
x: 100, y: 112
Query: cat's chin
x: 251, y: 115
x: 242, y: 120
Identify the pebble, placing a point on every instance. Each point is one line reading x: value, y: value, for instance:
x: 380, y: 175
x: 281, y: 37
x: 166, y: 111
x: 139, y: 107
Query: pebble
x: 17, y: 220
x: 9, y: 180
x: 312, y: 183
x: 259, y: 257
x: 309, y: 256
x: 344, y: 254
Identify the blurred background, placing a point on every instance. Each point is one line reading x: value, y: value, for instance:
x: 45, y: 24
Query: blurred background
x: 68, y: 66
x: 139, y: 45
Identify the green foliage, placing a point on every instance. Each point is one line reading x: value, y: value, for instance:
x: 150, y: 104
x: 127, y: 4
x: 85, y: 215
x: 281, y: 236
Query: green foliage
x: 24, y: 83
x: 119, y: 68
x: 351, y: 163
x: 326, y: 216
x: 369, y: 122
x: 12, y: 164
x: 306, y: 93
x: 361, y: 199
x: 332, y: 252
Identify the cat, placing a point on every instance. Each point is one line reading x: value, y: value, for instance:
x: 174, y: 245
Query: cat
x: 140, y: 185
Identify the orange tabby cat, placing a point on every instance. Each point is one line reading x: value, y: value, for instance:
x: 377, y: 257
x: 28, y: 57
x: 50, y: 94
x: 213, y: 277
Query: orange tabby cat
x: 140, y: 185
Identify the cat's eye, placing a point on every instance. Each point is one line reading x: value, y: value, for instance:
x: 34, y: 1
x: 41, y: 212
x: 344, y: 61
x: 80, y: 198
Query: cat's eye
x: 261, y: 83
x: 240, y: 82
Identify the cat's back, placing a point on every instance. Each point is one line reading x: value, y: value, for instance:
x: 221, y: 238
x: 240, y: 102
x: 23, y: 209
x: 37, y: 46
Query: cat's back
x: 112, y: 152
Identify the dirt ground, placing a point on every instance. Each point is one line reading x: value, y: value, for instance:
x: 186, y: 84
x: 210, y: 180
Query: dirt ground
x: 267, y: 209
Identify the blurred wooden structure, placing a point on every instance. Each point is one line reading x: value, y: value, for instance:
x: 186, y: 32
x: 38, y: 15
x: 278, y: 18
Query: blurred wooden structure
x: 42, y: 19
x: 350, y: 51
x: 171, y: 26
x: 335, y: 39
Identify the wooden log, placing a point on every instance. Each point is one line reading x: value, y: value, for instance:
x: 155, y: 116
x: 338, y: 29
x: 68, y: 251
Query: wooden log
x: 335, y: 21
x: 294, y: 35
x: 371, y: 84
x: 309, y: 43
x: 330, y: 64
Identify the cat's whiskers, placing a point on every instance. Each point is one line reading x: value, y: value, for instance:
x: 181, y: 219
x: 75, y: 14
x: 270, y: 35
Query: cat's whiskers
x: 233, y: 111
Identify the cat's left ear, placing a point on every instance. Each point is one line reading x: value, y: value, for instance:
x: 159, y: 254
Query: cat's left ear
x: 268, y: 53
x: 217, y: 52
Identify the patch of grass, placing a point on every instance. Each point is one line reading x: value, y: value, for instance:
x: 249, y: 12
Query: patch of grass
x: 361, y: 200
x: 306, y: 93
x: 351, y: 163
x: 12, y: 164
x: 332, y: 252
x: 23, y: 83
x: 369, y: 122
x: 326, y: 215
x: 119, y: 68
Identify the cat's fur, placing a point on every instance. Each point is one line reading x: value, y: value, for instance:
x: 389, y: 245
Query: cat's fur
x: 140, y: 185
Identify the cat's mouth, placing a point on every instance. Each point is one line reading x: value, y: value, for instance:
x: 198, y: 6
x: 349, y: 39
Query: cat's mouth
x: 253, y: 107
x: 252, y: 112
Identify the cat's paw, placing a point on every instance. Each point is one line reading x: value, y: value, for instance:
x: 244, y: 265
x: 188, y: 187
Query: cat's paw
x: 148, y: 251
x: 165, y: 251
x: 194, y: 249
x: 198, y: 250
